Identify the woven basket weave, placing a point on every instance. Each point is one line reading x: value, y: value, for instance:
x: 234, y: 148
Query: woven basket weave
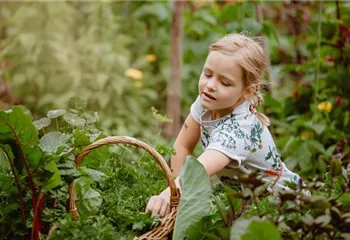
x: 167, y: 223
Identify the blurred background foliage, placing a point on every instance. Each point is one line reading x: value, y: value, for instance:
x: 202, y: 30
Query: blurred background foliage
x: 115, y: 55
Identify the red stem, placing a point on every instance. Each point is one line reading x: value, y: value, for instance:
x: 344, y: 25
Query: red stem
x: 30, y: 178
x: 37, y: 219
x: 15, y: 174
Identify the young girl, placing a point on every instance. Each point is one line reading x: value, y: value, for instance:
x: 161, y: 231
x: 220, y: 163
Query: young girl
x: 234, y: 136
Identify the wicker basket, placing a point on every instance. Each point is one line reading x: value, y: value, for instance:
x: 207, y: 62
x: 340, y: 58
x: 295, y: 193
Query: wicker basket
x: 167, y: 224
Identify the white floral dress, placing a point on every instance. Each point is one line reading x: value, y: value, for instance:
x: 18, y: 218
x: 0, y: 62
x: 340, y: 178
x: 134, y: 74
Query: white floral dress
x: 246, y: 141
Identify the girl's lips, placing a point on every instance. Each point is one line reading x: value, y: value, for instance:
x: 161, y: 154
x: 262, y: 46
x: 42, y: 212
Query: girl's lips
x: 209, y: 96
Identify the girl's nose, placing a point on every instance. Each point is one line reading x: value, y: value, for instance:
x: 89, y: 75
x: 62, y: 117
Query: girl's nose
x: 212, y: 84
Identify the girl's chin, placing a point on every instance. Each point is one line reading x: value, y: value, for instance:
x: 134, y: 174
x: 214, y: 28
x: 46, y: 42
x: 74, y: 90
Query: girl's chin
x: 207, y: 105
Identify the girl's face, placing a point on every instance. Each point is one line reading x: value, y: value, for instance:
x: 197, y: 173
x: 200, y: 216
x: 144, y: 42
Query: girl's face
x: 220, y: 84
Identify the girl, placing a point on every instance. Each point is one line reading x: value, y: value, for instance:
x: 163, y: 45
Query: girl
x: 234, y: 136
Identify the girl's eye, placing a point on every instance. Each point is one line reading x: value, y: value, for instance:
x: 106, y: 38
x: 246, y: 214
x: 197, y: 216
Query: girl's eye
x: 226, y: 84
x: 207, y: 74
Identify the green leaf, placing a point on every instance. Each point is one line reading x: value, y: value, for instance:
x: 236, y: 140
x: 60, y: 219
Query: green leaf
x: 88, y: 200
x: 316, y: 145
x: 80, y: 138
x: 303, y: 154
x: 55, y: 179
x: 56, y: 113
x: 50, y: 142
x: 41, y: 123
x: 16, y: 127
x: 197, y: 229
x: 73, y: 119
x: 318, y: 127
x: 196, y: 188
x: 239, y: 227
x: 226, y: 213
x: 262, y: 230
x: 344, y: 199
x: 94, y: 174
x: 253, y: 228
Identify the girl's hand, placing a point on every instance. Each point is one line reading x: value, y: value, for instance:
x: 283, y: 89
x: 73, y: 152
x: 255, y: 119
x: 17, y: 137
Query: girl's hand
x: 158, y: 205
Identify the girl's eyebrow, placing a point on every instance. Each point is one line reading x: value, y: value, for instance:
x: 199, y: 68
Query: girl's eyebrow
x: 227, y: 78
x: 206, y: 68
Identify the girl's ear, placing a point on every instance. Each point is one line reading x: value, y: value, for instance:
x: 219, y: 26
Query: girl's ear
x: 249, y: 92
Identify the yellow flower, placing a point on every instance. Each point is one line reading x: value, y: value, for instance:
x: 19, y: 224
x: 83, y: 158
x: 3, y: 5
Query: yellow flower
x: 347, y: 113
x: 138, y: 84
x: 305, y: 134
x: 134, y: 73
x: 151, y: 57
x: 325, y: 106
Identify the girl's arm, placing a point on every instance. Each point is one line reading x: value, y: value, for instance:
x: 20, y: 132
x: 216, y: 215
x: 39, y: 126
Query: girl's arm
x: 185, y: 143
x: 212, y: 160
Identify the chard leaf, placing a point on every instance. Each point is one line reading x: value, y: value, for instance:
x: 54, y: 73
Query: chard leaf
x: 50, y: 142
x: 55, y: 179
x: 196, y: 196
x: 56, y: 113
x: 41, y: 123
x: 18, y: 130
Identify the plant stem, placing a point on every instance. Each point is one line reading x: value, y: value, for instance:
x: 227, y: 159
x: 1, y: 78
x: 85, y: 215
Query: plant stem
x: 24, y: 160
x: 318, y: 51
x: 37, y: 218
x: 58, y: 129
x: 257, y: 207
x: 15, y: 174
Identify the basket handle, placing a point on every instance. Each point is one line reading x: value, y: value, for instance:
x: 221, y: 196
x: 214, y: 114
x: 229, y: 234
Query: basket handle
x: 174, y: 191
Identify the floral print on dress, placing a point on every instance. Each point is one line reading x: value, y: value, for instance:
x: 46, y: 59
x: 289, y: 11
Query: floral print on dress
x: 274, y: 155
x: 225, y: 128
x: 229, y: 126
x: 255, y: 137
x: 294, y: 179
x: 205, y: 137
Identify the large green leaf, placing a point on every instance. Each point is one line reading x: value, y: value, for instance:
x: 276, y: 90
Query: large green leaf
x: 17, y: 130
x: 195, y: 199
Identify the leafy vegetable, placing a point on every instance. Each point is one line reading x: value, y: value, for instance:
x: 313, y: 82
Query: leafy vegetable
x: 195, y: 199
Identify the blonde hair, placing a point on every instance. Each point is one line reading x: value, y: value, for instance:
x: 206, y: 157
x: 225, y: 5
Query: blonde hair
x: 253, y: 62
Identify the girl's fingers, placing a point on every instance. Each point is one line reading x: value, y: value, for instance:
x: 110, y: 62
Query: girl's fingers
x: 150, y: 204
x: 163, y: 209
x: 157, y: 206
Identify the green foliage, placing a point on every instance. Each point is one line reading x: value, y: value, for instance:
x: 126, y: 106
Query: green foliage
x: 85, y: 54
x: 126, y: 189
x: 194, y: 190
x: 96, y: 227
x: 114, y: 187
